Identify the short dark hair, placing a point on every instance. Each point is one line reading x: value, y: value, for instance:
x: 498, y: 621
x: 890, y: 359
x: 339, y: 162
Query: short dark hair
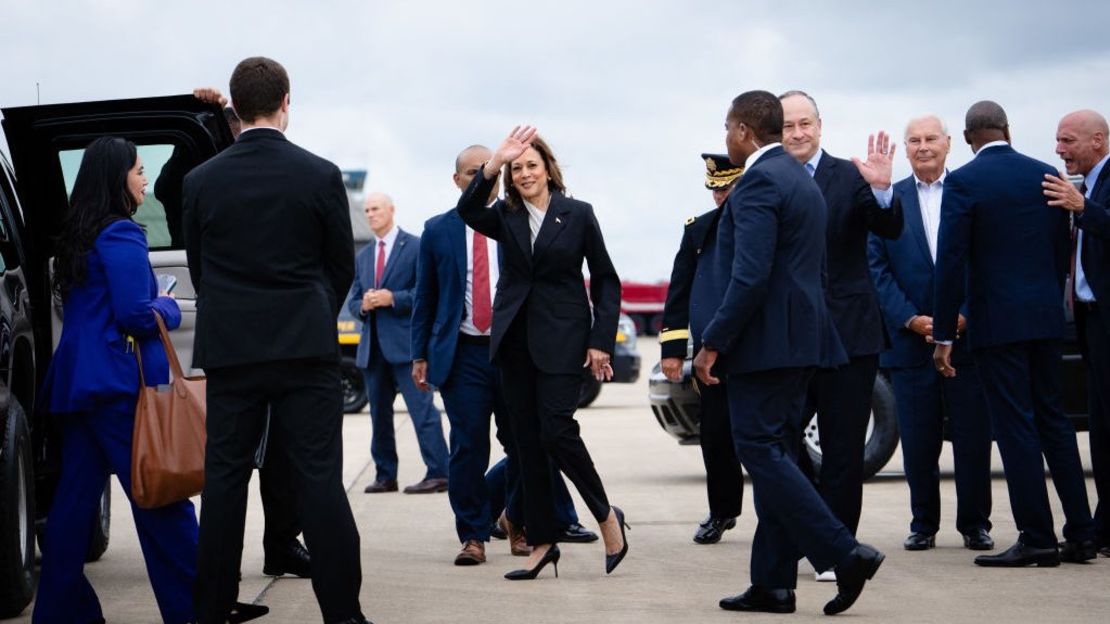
x: 985, y: 115
x: 258, y: 87
x: 761, y: 111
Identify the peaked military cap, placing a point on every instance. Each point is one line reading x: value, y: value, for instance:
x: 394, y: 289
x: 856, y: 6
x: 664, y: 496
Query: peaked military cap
x: 719, y: 171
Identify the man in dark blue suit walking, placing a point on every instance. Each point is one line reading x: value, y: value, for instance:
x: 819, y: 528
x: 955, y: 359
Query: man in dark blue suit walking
x: 903, y: 272
x: 1081, y: 140
x: 381, y: 295
x: 1002, y: 245
x: 769, y: 333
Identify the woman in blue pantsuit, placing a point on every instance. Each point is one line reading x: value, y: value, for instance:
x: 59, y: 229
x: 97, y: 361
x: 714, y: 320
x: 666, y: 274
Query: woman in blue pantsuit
x: 109, y: 296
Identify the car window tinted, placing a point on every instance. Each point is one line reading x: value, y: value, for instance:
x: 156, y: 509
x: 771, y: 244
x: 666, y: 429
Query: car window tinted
x: 160, y: 212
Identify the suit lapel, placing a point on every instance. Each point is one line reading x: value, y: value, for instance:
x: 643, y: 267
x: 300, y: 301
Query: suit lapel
x: 518, y: 224
x: 911, y: 208
x: 1101, y: 181
x: 824, y: 174
x: 456, y: 238
x: 553, y: 223
x: 394, y: 256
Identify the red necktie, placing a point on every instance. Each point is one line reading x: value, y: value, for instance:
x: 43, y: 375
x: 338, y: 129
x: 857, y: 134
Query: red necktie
x: 380, y: 267
x: 483, y: 314
x: 1069, y: 296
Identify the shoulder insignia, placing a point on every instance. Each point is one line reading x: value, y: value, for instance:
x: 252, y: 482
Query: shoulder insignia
x: 691, y: 220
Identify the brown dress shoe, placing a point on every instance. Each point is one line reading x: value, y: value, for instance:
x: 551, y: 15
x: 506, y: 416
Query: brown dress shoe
x: 473, y: 552
x: 378, y: 487
x: 427, y: 486
x: 518, y: 544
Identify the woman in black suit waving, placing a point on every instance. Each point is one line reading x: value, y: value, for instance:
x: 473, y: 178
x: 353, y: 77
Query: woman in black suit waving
x: 543, y: 329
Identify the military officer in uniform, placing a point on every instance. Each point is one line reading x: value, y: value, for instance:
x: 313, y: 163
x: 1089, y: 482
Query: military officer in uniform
x: 682, y: 317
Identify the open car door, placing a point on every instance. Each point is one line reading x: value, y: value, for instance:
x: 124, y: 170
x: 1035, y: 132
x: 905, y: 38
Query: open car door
x: 173, y: 135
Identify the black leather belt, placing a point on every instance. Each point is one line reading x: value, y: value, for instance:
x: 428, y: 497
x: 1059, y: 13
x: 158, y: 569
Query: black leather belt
x: 1089, y: 306
x: 473, y: 340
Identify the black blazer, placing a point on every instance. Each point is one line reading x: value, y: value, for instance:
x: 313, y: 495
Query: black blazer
x: 268, y: 239
x: 853, y: 212
x: 699, y: 234
x: 548, y: 281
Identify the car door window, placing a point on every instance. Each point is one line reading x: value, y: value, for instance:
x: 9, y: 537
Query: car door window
x: 165, y: 166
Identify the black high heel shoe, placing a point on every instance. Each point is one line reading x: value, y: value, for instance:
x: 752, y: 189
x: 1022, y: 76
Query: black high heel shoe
x: 612, y: 561
x: 551, y: 556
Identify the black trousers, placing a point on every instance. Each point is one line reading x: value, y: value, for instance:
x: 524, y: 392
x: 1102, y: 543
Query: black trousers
x: 541, y: 408
x: 1097, y: 356
x: 306, y: 422
x: 724, y: 480
x: 279, y: 501
x: 842, y: 399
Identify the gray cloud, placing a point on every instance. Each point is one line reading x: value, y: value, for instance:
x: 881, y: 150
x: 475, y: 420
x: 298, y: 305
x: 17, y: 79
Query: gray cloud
x: 628, y: 93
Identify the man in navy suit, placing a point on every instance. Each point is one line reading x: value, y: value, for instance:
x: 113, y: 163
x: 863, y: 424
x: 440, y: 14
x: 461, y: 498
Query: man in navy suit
x: 1003, y: 246
x: 859, y: 201
x: 770, y: 331
x: 381, y: 295
x: 1081, y: 141
x: 903, y: 272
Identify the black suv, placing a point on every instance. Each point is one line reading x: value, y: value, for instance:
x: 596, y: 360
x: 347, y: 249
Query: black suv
x: 46, y: 143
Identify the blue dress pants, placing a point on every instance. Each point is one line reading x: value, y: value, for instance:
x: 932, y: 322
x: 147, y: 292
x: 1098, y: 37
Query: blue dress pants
x: 383, y: 381
x: 924, y: 399
x: 1021, y: 383
x: 766, y: 412
x: 95, y: 445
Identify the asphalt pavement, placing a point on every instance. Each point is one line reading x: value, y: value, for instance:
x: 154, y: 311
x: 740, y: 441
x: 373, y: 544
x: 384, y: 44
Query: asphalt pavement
x: 408, y: 544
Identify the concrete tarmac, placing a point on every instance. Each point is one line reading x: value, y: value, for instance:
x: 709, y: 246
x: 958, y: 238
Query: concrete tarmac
x: 409, y: 543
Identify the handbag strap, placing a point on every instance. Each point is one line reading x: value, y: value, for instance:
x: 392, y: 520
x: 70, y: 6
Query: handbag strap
x: 171, y: 353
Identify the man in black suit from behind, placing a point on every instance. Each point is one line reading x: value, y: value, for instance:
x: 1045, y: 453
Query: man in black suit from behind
x: 1083, y: 142
x: 268, y: 238
x: 771, y: 328
x: 1007, y: 249
x: 860, y: 200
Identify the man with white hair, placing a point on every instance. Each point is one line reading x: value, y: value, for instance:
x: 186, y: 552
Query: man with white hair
x: 1082, y: 142
x: 381, y: 297
x: 903, y: 270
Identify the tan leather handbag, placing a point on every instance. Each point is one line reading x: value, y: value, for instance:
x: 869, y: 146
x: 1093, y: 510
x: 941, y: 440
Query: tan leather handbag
x: 167, y: 453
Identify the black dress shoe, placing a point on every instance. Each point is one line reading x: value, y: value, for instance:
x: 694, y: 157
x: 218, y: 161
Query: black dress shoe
x: 293, y: 559
x: 1019, y: 556
x: 577, y: 534
x: 1078, y: 552
x: 244, y: 612
x: 496, y: 532
x: 1104, y: 551
x: 919, y: 541
x: 711, y: 529
x: 978, y: 540
x: 355, y: 620
x: 378, y: 487
x: 761, y: 599
x: 852, y: 575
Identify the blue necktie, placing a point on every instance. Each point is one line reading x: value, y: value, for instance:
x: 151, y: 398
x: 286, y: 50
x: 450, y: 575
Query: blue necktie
x: 810, y: 169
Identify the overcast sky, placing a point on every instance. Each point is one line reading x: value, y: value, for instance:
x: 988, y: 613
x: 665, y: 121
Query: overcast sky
x: 627, y: 93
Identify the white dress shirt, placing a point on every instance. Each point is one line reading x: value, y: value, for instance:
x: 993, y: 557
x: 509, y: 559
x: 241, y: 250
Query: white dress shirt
x: 467, y: 325
x: 1083, y: 290
x: 991, y: 144
x: 535, y: 220
x: 928, y: 197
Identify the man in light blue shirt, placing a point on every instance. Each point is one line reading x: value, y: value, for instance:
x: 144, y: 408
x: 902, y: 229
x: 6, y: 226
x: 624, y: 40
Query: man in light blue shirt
x: 1081, y: 141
